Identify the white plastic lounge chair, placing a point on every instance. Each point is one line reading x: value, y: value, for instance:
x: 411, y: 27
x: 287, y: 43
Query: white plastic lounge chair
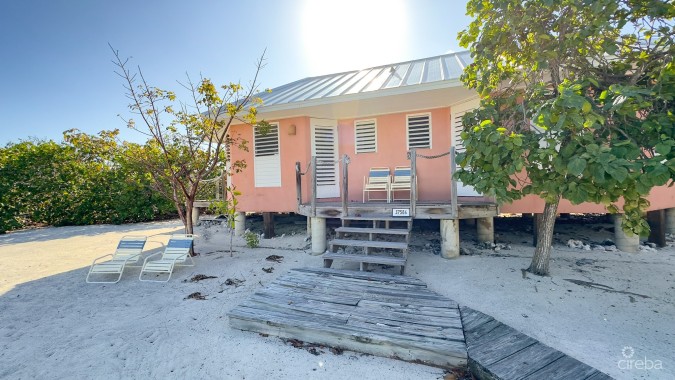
x: 128, y: 252
x: 378, y: 180
x: 400, y: 182
x: 176, y: 253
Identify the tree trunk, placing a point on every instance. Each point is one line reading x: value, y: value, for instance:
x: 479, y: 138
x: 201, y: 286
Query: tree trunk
x: 189, y: 205
x: 542, y: 254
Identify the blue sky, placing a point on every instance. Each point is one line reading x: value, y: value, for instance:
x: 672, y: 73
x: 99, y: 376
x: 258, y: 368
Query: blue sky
x: 56, y: 71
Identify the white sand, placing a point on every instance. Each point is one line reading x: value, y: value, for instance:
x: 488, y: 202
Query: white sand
x: 54, y: 325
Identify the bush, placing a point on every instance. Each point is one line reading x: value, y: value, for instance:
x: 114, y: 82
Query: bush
x: 252, y: 239
x: 83, y: 180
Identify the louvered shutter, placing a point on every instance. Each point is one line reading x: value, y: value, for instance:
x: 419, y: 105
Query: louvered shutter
x: 365, y: 132
x: 267, y: 160
x: 419, y: 131
x: 325, y: 148
x: 457, y: 113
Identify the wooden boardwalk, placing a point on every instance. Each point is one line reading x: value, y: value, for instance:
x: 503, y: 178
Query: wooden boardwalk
x: 374, y: 313
x: 398, y: 317
x: 497, y: 351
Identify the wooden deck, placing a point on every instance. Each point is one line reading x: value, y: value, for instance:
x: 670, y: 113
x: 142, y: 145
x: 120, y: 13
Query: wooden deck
x: 466, y: 209
x: 497, y: 351
x: 380, y: 314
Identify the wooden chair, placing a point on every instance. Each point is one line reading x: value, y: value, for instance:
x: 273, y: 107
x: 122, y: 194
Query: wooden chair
x: 401, y: 182
x: 378, y: 180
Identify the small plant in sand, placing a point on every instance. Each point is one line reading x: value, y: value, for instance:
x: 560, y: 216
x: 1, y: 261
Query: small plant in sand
x: 252, y: 239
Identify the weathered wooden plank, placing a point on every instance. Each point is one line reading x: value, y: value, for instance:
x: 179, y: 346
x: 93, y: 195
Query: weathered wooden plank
x: 325, y: 294
x: 479, y: 341
x: 379, y: 216
x: 360, y: 277
x: 370, y: 276
x: 407, y: 328
x: 471, y: 318
x: 291, y: 312
x: 369, y: 244
x: 564, y: 368
x: 597, y: 375
x: 408, y: 318
x: 329, y: 284
x: 366, y: 230
x: 281, y: 302
x: 364, y: 334
x: 363, y: 286
x: 451, y: 312
x: 522, y: 363
x: 370, y: 259
x: 496, y: 349
x: 472, y: 337
x: 357, y: 342
x: 343, y: 298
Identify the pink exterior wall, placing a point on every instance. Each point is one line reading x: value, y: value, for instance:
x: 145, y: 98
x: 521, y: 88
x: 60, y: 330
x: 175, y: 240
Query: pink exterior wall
x: 433, y: 175
x: 292, y: 148
x: 660, y: 197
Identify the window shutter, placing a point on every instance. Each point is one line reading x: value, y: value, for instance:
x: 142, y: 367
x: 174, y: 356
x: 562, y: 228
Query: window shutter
x: 266, y: 158
x: 365, y: 132
x: 419, y: 131
x: 457, y: 113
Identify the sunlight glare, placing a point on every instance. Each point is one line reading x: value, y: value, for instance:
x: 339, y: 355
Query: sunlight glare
x: 353, y: 34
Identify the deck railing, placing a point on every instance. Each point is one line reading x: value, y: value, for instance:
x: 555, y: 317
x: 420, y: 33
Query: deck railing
x: 311, y: 171
x: 412, y: 156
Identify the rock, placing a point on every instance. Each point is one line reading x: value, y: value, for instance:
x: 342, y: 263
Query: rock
x: 647, y: 248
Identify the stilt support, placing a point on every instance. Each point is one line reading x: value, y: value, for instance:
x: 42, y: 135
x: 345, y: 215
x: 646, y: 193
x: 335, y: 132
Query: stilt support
x: 195, y: 216
x: 657, y: 227
x: 318, y: 236
x: 450, y: 238
x: 268, y: 224
x: 670, y: 220
x: 486, y: 229
x: 625, y: 242
x: 239, y: 224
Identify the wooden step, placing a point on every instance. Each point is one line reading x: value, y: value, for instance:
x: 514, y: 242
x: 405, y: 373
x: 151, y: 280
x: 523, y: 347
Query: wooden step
x: 383, y: 217
x: 369, y: 244
x: 364, y: 260
x: 365, y: 230
x: 371, y: 259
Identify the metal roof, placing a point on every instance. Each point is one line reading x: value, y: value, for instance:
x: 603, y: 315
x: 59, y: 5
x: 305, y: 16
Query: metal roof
x: 447, y: 67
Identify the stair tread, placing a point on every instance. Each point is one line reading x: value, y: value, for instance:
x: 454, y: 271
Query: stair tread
x: 375, y: 259
x: 370, y: 243
x: 367, y: 230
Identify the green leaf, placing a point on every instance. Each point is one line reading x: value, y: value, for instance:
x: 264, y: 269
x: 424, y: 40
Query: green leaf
x: 576, y: 166
x: 663, y: 148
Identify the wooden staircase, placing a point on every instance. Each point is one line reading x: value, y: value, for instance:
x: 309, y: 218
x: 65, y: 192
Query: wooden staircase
x: 370, y: 238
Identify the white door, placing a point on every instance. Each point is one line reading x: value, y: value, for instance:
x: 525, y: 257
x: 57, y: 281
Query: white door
x: 325, y: 148
x: 457, y: 112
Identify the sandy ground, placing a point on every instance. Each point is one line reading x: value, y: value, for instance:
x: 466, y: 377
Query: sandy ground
x: 54, y: 325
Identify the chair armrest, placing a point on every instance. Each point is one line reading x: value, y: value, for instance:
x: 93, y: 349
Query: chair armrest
x: 154, y: 254
x: 99, y: 258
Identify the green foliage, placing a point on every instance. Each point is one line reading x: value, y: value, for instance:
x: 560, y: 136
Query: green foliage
x: 83, y: 180
x: 252, y: 239
x: 577, y: 101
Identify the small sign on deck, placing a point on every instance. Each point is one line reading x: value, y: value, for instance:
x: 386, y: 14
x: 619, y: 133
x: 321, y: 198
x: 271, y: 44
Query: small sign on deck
x: 400, y: 212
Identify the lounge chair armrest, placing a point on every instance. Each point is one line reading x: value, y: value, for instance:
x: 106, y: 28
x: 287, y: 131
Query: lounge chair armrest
x: 154, y: 254
x: 99, y: 258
